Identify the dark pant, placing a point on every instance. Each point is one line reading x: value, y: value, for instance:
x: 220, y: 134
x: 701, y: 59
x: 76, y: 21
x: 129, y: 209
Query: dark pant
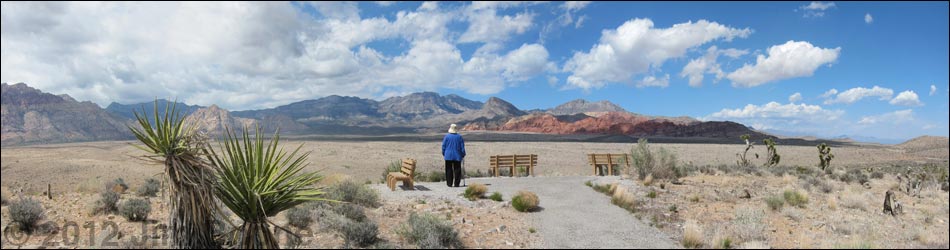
x: 453, y: 173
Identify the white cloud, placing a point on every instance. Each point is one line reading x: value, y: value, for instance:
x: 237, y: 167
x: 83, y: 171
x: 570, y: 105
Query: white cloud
x: 797, y: 97
x: 486, y: 26
x: 385, y: 3
x: 696, y: 69
x: 783, y: 117
x: 933, y: 90
x: 429, y: 6
x: 481, y: 5
x: 907, y: 98
x: 245, y: 55
x: 856, y: 94
x: 636, y: 46
x: 868, y: 18
x: 896, y: 117
x: 567, y: 18
x: 575, y: 5
x: 817, y: 9
x: 653, y: 81
x: 828, y: 94
x: 790, y: 60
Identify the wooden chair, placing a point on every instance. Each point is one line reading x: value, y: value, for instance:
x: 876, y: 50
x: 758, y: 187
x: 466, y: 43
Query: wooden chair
x: 608, y: 160
x: 406, y: 175
x: 513, y: 161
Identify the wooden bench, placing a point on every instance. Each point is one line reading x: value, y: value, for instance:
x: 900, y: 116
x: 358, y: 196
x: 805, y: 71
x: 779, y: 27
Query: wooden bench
x: 406, y: 175
x: 513, y: 161
x: 608, y: 160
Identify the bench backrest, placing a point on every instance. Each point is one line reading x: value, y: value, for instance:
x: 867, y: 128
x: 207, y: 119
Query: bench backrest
x: 612, y: 159
x: 514, y: 160
x: 408, y: 167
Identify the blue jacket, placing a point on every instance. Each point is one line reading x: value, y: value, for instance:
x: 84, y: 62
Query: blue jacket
x: 453, y: 147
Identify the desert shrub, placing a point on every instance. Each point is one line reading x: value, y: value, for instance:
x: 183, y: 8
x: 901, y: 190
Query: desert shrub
x: 150, y: 188
x: 475, y: 191
x: 525, y: 201
x: 350, y: 191
x: 360, y: 233
x: 877, y: 175
x: 772, y: 158
x: 107, y: 203
x: 652, y: 194
x: 854, y: 201
x: 775, y: 203
x: 661, y: 164
x: 496, y: 197
x: 349, y: 211
x: 793, y: 214
x: 855, y: 175
x: 625, y: 200
x: 817, y: 183
x: 429, y: 232
x: 604, y: 189
x: 693, y: 235
x: 748, y: 225
x: 436, y: 176
x: 476, y: 174
x: 25, y: 213
x: 299, y: 217
x: 587, y: 183
x: 135, y: 210
x: 795, y: 198
x: 392, y: 167
x: 118, y: 185
x: 724, y: 243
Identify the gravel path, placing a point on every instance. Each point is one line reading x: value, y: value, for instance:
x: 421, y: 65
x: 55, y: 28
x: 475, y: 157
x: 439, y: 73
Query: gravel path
x: 572, y: 215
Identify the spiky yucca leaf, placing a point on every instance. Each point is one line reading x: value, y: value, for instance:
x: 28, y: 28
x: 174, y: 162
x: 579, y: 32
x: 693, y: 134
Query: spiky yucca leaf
x: 258, y: 180
x: 191, y: 179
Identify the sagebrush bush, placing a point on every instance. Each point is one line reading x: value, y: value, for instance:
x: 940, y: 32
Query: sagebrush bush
x: 26, y: 213
x: 496, y: 197
x: 118, y: 185
x: 693, y: 235
x: 350, y: 191
x: 360, y: 234
x: 135, y: 210
x: 525, y: 201
x: 350, y: 211
x: 795, y: 198
x: 107, y: 203
x: 395, y: 166
x: 661, y: 164
x: 775, y: 203
x: 748, y: 224
x: 429, y: 232
x: 150, y: 188
x: 475, y: 191
x: 299, y: 217
x: 436, y: 176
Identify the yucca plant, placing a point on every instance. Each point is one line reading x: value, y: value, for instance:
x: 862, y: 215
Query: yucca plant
x: 258, y: 180
x: 169, y: 141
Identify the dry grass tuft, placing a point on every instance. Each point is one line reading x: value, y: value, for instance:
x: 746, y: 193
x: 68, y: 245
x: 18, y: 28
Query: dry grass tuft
x: 855, y: 201
x: 624, y: 199
x: 525, y: 201
x: 693, y: 235
x: 475, y: 191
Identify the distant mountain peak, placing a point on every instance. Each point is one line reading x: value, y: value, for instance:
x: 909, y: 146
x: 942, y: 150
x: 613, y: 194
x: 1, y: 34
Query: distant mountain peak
x: 580, y: 106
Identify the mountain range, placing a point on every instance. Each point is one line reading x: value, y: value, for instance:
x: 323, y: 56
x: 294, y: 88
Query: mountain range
x: 32, y: 116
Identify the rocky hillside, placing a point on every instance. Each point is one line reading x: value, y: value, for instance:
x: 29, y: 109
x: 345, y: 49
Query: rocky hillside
x: 32, y: 116
x: 127, y: 111
x: 582, y: 106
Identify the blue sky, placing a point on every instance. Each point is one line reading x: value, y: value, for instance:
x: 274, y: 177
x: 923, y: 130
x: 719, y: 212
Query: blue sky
x: 886, y: 61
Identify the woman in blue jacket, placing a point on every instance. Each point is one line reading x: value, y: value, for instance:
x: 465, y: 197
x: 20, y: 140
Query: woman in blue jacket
x: 453, y: 150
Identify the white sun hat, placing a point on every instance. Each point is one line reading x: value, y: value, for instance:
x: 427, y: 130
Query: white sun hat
x: 453, y: 129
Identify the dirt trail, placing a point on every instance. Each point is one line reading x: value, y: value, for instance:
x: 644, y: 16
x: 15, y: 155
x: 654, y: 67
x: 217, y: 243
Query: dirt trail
x: 572, y: 215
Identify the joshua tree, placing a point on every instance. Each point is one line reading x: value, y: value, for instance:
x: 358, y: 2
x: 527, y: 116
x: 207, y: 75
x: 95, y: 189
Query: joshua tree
x: 773, y: 158
x: 258, y: 181
x: 191, y: 179
x: 825, y: 156
x: 743, y: 161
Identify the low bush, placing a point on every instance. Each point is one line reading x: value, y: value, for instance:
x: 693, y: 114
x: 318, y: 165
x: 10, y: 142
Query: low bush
x: 436, y: 176
x: 350, y: 191
x: 429, y: 232
x: 661, y: 164
x: 118, y: 185
x: 135, y: 210
x: 150, y: 188
x: 299, y: 217
x: 496, y: 197
x: 475, y: 191
x: 350, y: 211
x: 748, y: 224
x: 525, y: 201
x: 360, y: 233
x: 652, y: 194
x: 693, y: 235
x: 724, y: 243
x: 26, y: 213
x: 854, y: 201
x: 795, y: 198
x: 625, y: 200
x: 107, y: 203
x: 775, y: 203
x: 877, y: 175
